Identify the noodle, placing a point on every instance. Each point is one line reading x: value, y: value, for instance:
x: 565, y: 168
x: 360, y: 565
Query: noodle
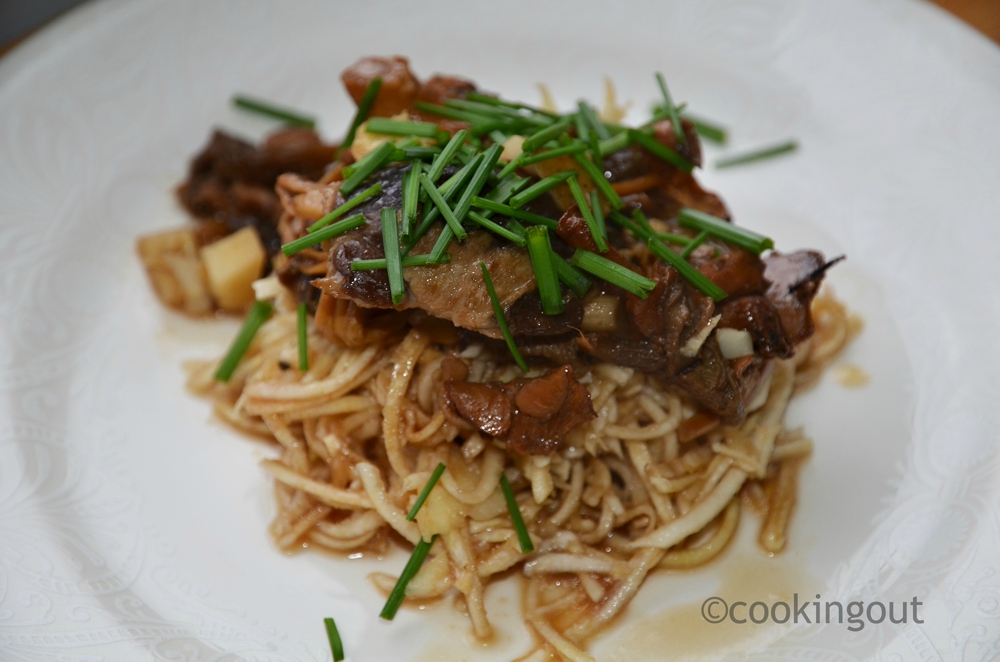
x: 361, y: 431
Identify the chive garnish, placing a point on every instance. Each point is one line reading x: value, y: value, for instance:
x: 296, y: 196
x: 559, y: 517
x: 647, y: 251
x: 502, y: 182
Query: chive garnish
x: 575, y: 148
x: 411, y: 194
x: 596, y: 175
x: 588, y: 214
x: 508, y: 187
x: 495, y: 111
x: 708, y: 130
x: 447, y: 155
x: 498, y: 136
x: 513, y: 164
x: 478, y: 181
x: 515, y: 515
x: 329, y: 232
x: 569, y: 276
x: 675, y: 119
x: 592, y: 122
x: 447, y: 190
x: 660, y: 250
x: 724, y: 230
x: 496, y: 228
x: 613, y: 273
x: 595, y: 206
x: 693, y: 244
x: 480, y: 123
x: 672, y: 238
x: 424, y: 493
x: 502, y: 321
x: 660, y: 150
x: 758, y: 155
x: 346, y: 207
x: 264, y: 108
x: 540, y: 251
x: 543, y: 136
x: 442, y: 206
x: 412, y: 567
x: 336, y: 646
x: 371, y: 162
x: 641, y: 219
x: 494, y: 101
x: 510, y: 212
x: 392, y: 127
x: 408, y: 261
x: 614, y: 143
x: 258, y: 315
x: 393, y: 260
x: 414, y: 153
x: 303, y: 329
x: 441, y: 245
x: 364, y: 107
x: 540, y: 187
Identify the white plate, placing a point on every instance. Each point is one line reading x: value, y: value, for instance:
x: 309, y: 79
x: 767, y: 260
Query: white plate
x: 132, y: 525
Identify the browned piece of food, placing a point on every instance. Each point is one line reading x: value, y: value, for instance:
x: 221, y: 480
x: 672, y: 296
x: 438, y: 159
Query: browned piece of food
x: 399, y: 86
x: 533, y: 415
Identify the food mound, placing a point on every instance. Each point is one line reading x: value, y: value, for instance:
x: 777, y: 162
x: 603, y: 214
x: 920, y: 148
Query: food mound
x: 501, y: 337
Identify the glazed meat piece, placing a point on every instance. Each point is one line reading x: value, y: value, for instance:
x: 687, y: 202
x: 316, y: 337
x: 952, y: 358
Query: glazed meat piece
x: 399, y: 86
x: 532, y: 415
x: 231, y: 182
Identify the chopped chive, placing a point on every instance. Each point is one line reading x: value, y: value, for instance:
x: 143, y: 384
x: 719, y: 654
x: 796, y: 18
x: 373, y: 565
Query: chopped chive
x: 346, y: 207
x: 255, y: 318
x: 595, y: 148
x: 303, y: 329
x: 569, y: 276
x: 581, y: 125
x: 424, y: 493
x: 447, y: 190
x: 758, y: 155
x: 588, y: 214
x: 264, y: 108
x: 724, y: 230
x: 671, y: 238
x: 494, y: 110
x: 597, y: 176
x: 515, y: 515
x: 595, y: 206
x: 660, y: 250
x: 707, y: 129
x: 540, y: 251
x: 392, y: 127
x: 494, y: 101
x: 496, y: 228
x: 478, y: 182
x: 508, y: 187
x: 414, y: 153
x: 498, y: 136
x: 675, y: 119
x: 693, y: 244
x: 329, y: 232
x: 336, y: 646
x: 411, y: 195
x: 614, y: 144
x: 575, y: 148
x: 592, y: 122
x: 364, y: 107
x: 408, y: 261
x: 550, y: 132
x: 502, y: 321
x: 540, y: 187
x: 447, y: 155
x: 510, y: 212
x: 513, y: 165
x: 660, y: 150
x: 371, y: 162
x: 441, y: 245
x: 442, y: 206
x: 480, y: 124
x: 412, y: 567
x: 393, y: 260
x: 613, y: 273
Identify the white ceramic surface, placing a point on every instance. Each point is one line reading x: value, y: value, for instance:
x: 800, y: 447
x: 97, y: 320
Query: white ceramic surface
x: 132, y: 525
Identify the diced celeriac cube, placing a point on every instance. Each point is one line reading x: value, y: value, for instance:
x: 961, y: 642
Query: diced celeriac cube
x: 233, y: 263
x: 176, y: 271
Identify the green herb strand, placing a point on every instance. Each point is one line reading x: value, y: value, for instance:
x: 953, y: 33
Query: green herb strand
x: 575, y: 148
x: 724, y: 230
x: 393, y: 260
x: 447, y: 155
x: 540, y: 252
x: 597, y: 176
x: 613, y: 273
x: 411, y: 195
x: 541, y: 186
x: 303, y: 329
x: 758, y: 155
x: 258, y: 315
x: 570, y: 277
x: 392, y: 127
x: 424, y: 493
x: 552, y: 132
x: 408, y: 261
x: 371, y: 162
x: 523, y: 537
x: 364, y: 107
x: 336, y: 645
x: 412, y: 567
x: 329, y: 232
x: 588, y: 214
x: 693, y: 244
x: 496, y: 228
x: 478, y: 181
x: 502, y: 321
x: 442, y: 206
x: 675, y: 119
x: 660, y: 150
x: 510, y: 212
x: 708, y: 130
x: 592, y: 122
x: 291, y: 117
x: 375, y: 189
x: 595, y: 206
